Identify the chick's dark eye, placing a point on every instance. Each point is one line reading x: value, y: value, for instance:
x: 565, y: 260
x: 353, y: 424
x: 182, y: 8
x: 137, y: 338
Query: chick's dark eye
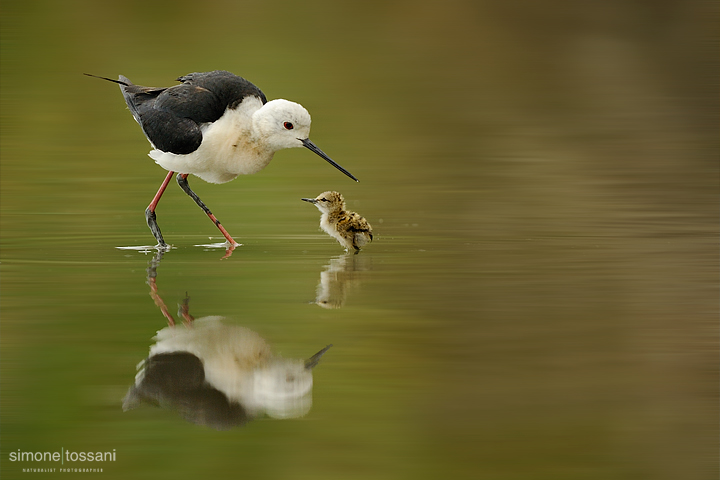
x: 288, y: 126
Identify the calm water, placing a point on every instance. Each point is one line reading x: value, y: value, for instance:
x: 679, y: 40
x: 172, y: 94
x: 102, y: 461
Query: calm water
x: 540, y: 300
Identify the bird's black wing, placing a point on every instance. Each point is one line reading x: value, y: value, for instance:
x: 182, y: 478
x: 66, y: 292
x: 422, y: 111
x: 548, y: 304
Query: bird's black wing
x: 136, y: 96
x: 163, y: 116
x: 230, y: 89
x: 171, y: 117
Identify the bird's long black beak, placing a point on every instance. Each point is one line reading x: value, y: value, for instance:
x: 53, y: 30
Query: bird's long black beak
x: 312, y: 361
x: 312, y: 147
x: 310, y: 200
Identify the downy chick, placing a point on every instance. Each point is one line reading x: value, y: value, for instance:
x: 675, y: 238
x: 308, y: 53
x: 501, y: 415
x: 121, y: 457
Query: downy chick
x: 348, y: 228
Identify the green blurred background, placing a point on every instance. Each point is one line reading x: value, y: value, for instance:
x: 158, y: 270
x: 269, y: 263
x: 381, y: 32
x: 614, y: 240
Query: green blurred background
x: 540, y: 301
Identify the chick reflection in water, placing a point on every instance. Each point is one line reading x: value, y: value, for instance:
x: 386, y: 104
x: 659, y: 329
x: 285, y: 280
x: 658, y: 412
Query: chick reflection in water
x: 348, y: 228
x: 341, y: 275
x: 221, y: 375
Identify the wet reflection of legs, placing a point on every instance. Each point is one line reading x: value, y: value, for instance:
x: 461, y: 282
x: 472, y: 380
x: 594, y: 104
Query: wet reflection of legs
x: 184, y: 310
x: 152, y: 283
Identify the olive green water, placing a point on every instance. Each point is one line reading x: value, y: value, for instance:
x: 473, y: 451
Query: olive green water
x: 540, y: 300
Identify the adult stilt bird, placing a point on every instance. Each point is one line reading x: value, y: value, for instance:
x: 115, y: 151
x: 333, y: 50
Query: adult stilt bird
x: 216, y: 126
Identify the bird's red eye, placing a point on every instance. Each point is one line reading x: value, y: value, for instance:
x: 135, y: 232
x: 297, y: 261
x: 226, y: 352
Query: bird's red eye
x: 288, y: 126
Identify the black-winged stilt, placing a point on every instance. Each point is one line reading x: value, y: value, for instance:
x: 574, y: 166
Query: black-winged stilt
x: 214, y: 125
x: 348, y: 228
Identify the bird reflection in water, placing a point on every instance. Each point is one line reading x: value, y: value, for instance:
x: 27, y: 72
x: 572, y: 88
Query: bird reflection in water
x: 342, y: 274
x: 217, y: 374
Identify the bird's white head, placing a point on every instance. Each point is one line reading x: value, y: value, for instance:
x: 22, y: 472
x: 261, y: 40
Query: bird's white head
x: 282, y: 388
x: 282, y: 124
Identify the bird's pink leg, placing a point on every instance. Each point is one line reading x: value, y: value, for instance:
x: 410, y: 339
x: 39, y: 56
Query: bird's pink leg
x: 152, y: 283
x: 182, y: 181
x: 184, y: 311
x: 159, y: 302
x: 150, y: 211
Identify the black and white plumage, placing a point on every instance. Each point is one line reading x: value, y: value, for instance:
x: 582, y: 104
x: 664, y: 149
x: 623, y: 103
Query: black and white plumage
x: 173, y: 118
x: 221, y: 375
x: 216, y: 126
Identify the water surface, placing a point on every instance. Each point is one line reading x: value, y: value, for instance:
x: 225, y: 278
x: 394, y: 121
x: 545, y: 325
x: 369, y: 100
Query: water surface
x: 540, y: 299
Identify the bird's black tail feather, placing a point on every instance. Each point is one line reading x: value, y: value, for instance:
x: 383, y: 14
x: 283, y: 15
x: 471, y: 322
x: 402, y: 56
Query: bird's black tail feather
x: 109, y: 79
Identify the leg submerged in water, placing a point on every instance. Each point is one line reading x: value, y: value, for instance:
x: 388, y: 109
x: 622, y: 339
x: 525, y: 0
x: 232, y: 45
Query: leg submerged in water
x: 182, y: 181
x: 150, y: 212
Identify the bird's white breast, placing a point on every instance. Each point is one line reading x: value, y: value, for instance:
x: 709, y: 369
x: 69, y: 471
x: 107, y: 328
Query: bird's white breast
x: 229, y: 148
x: 332, y: 230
